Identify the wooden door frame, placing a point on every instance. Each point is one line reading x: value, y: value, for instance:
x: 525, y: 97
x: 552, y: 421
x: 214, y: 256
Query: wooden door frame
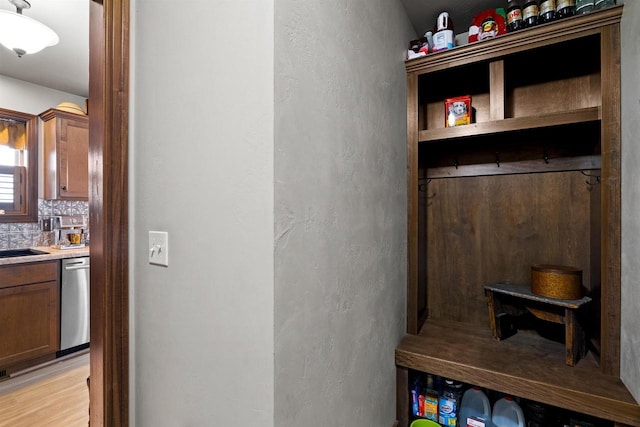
x: 108, y: 211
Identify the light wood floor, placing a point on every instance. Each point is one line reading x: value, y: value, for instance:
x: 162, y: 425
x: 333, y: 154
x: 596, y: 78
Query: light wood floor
x: 53, y: 396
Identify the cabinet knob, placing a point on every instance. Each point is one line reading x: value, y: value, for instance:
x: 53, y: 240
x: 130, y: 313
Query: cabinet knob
x: 64, y: 188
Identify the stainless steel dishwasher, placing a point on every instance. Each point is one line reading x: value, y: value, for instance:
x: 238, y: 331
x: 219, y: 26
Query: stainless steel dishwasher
x: 74, y: 304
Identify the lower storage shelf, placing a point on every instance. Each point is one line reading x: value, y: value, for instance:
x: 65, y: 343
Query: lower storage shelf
x: 524, y: 365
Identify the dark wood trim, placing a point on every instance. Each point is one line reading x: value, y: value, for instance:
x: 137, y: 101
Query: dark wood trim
x: 402, y: 396
x: 108, y: 206
x: 412, y: 204
x: 611, y: 200
x: 497, y: 90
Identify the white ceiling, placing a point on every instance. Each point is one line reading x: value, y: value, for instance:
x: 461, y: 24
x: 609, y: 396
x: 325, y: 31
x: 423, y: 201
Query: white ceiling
x: 66, y: 66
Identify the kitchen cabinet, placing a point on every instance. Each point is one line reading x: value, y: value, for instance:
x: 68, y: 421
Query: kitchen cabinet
x: 66, y: 155
x: 29, y: 313
x: 534, y: 180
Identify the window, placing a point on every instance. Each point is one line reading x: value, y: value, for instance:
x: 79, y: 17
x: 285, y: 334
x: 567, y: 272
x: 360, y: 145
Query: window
x: 18, y: 166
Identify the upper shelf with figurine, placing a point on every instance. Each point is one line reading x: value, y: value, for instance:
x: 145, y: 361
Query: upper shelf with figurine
x: 488, y: 41
x: 537, y: 78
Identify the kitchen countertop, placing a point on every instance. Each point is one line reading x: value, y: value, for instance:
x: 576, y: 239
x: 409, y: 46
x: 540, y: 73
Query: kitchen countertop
x: 50, y: 255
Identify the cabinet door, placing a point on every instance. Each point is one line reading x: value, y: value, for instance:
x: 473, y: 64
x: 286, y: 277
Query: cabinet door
x: 29, y: 322
x: 73, y: 152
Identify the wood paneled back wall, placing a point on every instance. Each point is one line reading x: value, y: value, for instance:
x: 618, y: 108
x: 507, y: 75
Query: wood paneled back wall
x: 491, y: 229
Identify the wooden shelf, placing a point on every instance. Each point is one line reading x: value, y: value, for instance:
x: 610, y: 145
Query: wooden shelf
x: 538, y: 36
x: 523, y: 365
x: 581, y: 115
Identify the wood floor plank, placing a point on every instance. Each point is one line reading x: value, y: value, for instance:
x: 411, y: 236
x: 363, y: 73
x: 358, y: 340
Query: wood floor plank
x: 55, y: 396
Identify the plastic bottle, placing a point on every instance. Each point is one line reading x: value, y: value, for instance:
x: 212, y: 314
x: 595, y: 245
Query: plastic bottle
x: 429, y: 36
x: 507, y: 413
x: 449, y: 402
x: 443, y: 34
x: 474, y: 404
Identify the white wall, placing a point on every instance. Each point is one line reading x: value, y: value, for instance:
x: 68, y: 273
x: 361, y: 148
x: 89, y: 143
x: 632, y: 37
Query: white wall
x: 30, y: 98
x: 340, y: 200
x: 203, y: 171
x: 630, y: 349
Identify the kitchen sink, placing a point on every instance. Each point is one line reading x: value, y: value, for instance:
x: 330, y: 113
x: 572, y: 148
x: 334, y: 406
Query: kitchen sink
x: 10, y: 253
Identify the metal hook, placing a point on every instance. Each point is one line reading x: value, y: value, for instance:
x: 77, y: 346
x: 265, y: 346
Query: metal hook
x: 545, y: 157
x: 597, y: 177
x: 423, y: 187
x: 498, y: 159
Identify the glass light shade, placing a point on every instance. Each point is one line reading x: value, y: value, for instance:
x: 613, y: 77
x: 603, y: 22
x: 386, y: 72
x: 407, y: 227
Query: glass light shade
x: 24, y: 35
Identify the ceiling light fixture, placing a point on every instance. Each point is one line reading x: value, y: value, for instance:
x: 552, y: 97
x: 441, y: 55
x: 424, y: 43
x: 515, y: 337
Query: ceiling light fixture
x: 22, y: 34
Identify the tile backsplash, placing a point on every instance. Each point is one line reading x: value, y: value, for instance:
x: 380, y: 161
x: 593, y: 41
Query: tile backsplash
x: 25, y: 235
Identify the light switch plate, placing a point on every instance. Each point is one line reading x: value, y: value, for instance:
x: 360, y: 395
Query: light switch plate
x: 159, y: 248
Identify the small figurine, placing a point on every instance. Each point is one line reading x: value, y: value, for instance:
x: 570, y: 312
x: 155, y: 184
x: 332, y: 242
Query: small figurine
x: 488, y: 24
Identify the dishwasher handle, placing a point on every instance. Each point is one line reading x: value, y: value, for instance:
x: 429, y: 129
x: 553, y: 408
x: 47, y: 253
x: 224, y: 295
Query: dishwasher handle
x: 76, y: 265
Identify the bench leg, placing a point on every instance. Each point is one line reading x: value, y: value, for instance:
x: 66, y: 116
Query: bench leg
x: 575, y: 346
x: 502, y: 324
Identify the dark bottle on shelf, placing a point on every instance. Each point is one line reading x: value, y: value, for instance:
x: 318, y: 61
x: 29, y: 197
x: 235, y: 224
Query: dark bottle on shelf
x: 547, y: 11
x: 584, y: 6
x: 601, y: 4
x: 530, y: 12
x: 565, y: 8
x: 514, y: 16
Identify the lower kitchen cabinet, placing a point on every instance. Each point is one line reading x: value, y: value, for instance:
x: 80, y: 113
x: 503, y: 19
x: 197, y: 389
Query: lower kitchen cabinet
x: 29, y: 313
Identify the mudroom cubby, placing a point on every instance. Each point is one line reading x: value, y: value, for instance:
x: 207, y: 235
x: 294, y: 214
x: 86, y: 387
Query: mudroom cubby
x: 534, y: 179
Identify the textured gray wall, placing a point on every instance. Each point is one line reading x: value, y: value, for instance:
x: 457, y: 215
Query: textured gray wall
x: 202, y: 169
x: 340, y: 200
x: 630, y: 349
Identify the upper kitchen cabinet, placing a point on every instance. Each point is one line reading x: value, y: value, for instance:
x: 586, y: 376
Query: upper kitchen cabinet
x: 66, y: 155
